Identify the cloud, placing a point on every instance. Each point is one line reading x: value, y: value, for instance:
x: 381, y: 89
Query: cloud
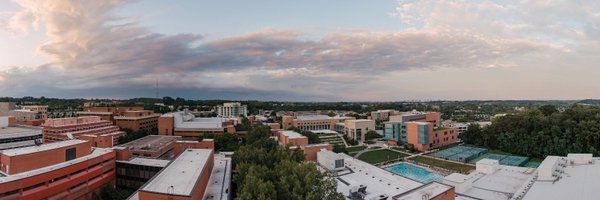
x: 91, y: 49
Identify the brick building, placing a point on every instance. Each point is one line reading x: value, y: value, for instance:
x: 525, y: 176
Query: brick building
x: 62, y: 170
x: 134, y: 118
x: 102, y: 133
x: 189, y: 127
x: 423, y: 136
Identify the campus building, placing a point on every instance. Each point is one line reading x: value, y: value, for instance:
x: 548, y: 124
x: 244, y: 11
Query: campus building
x: 424, y: 137
x: 102, y: 133
x: 415, y: 116
x: 62, y: 170
x: 16, y: 136
x: 360, y: 180
x: 5, y: 107
x: 395, y: 130
x: 382, y: 115
x: 492, y: 181
x: 292, y: 138
x: 194, y: 174
x: 312, y: 122
x: 134, y: 118
x: 232, y: 110
x: 190, y: 127
x: 41, y: 111
x: 357, y: 128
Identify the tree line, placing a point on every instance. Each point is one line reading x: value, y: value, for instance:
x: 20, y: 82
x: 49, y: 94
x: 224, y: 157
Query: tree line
x: 541, y: 131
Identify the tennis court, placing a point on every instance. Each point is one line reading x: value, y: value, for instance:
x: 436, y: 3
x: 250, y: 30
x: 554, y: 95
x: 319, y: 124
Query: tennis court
x: 504, y: 159
x: 460, y: 153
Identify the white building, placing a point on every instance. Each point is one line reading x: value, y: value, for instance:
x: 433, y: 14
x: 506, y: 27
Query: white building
x: 232, y: 109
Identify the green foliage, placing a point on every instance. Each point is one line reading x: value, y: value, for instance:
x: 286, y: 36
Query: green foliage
x: 381, y: 155
x: 109, y: 192
x: 265, y: 170
x: 339, y: 149
x: 541, y: 132
x: 350, y: 142
x: 226, y: 142
x: 372, y: 135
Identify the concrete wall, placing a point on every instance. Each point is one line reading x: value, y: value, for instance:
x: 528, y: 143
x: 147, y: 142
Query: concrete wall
x: 166, y: 125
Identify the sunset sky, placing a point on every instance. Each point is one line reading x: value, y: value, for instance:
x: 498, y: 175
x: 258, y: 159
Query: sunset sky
x: 343, y: 50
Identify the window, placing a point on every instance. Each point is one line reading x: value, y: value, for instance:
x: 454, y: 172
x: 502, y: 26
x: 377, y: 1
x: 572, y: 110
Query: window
x: 70, y: 154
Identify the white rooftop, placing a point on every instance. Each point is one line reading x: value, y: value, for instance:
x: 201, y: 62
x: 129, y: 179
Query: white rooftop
x: 146, y: 162
x: 378, y: 181
x: 292, y: 134
x: 218, y: 187
x: 187, y: 120
x: 499, y: 184
x: 326, y: 131
x: 578, y: 181
x: 430, y: 190
x: 319, y: 117
x: 43, y: 147
x: 181, y: 175
x: 18, y: 131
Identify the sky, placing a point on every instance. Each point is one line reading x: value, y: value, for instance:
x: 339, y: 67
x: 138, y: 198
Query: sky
x: 337, y: 50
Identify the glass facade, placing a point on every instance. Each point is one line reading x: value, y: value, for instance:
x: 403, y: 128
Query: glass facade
x: 423, y: 134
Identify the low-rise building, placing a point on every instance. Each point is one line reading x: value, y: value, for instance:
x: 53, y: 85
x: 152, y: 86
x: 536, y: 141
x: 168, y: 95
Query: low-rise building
x: 16, y: 136
x: 190, y: 127
x: 357, y: 128
x: 423, y: 136
x: 292, y: 138
x: 493, y: 181
x: 101, y: 132
x: 134, y: 118
x: 62, y: 170
x: 312, y: 122
x: 359, y: 180
x: 382, y: 115
x: 194, y: 174
x: 42, y: 111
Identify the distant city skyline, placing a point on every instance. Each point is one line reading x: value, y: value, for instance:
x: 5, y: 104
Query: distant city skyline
x: 301, y: 51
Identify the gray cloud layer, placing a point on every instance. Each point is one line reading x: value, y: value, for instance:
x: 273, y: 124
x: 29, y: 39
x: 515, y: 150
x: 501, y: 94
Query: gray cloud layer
x: 95, y: 52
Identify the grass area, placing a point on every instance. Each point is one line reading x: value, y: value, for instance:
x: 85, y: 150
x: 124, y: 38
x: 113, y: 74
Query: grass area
x: 356, y: 148
x: 443, y: 164
x: 381, y: 155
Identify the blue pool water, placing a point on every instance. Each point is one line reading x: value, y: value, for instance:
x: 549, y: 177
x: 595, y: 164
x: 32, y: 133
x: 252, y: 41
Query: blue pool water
x: 416, y: 173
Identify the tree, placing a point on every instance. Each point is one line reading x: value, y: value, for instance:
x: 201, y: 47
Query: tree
x: 372, y: 135
x: 226, y: 142
x: 331, y: 114
x: 339, y: 149
x: 547, y: 110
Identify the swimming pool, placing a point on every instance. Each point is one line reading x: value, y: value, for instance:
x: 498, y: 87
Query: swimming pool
x: 416, y: 173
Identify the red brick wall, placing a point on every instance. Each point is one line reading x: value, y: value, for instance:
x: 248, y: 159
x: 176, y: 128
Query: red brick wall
x: 26, y: 162
x: 448, y: 195
x: 165, y: 125
x: 311, y: 151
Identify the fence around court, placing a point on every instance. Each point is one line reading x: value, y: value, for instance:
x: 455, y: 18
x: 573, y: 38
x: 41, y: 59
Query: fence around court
x: 460, y: 153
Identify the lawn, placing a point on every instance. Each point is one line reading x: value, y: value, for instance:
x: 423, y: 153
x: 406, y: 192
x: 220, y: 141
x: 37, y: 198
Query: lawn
x: 356, y: 148
x: 443, y: 164
x: 381, y: 155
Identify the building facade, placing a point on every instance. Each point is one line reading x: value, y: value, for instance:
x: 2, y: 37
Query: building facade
x: 134, y: 118
x: 62, y: 170
x: 89, y: 128
x: 312, y: 122
x: 232, y: 109
x: 356, y: 129
x: 423, y: 136
x: 15, y: 136
x: 42, y: 111
x: 188, y: 126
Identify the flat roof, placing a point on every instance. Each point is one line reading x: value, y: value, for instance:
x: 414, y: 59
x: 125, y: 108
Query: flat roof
x: 292, y: 134
x: 500, y: 185
x: 186, y: 120
x: 326, y: 131
x: 146, y: 162
x: 577, y: 182
x: 43, y: 147
x: 181, y: 175
x: 430, y: 190
x: 378, y: 181
x: 150, y: 142
x: 96, y: 152
x: 319, y: 117
x: 219, y: 184
x: 18, y: 131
